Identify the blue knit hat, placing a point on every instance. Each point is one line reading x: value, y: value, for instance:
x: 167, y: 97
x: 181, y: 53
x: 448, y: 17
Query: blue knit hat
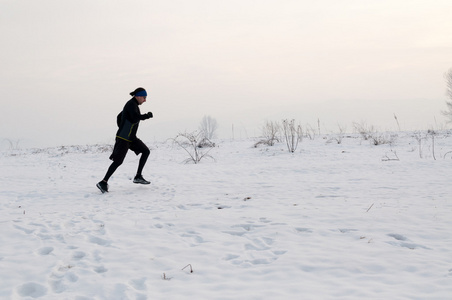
x: 141, y: 93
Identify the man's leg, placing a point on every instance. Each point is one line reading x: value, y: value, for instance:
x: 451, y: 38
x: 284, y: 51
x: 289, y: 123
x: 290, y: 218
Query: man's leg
x: 139, y: 147
x: 111, y: 170
x: 119, y: 153
x: 143, y: 159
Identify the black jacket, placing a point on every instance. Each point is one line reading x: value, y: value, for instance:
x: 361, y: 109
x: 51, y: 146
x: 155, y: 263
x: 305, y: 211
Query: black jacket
x: 129, y: 119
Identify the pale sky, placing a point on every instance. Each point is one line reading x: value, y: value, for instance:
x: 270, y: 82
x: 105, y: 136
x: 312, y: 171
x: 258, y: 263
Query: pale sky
x: 67, y: 67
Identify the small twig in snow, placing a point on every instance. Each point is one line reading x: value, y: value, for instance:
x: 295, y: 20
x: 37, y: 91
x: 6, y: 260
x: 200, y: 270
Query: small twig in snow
x: 370, y: 207
x: 189, y: 265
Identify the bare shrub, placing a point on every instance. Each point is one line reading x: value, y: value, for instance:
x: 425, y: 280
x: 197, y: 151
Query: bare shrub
x: 13, y: 144
x: 293, y: 134
x: 338, y: 137
x: 432, y: 133
x: 190, y: 143
x: 363, y: 129
x: 206, y: 143
x: 270, y: 132
x: 382, y: 138
x: 370, y: 133
x: 419, y: 138
x: 208, y: 127
x: 309, y: 132
x: 425, y: 136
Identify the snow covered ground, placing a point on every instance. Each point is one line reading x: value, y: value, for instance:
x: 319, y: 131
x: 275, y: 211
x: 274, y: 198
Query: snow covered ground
x: 330, y: 221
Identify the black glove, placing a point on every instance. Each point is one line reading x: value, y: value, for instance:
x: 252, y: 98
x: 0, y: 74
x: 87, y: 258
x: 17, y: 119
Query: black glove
x: 149, y: 114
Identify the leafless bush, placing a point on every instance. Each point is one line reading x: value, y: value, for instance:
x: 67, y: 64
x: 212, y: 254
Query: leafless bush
x: 310, y: 132
x: 338, y: 137
x: 370, y: 133
x: 432, y: 133
x: 293, y: 134
x: 419, y: 138
x: 270, y: 132
x: 208, y: 127
x: 190, y: 143
x: 425, y: 136
x: 382, y: 138
x: 13, y: 144
x: 363, y: 129
x: 206, y: 143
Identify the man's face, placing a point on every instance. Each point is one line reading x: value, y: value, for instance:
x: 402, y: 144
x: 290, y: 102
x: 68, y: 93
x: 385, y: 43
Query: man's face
x: 141, y: 99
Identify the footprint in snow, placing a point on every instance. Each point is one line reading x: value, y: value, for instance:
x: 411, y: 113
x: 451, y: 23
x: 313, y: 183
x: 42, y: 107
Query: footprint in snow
x: 258, y: 251
x: 248, y: 227
x: 236, y: 233
x: 57, y: 285
x: 303, y: 230
x: 231, y: 257
x: 99, y: 241
x: 100, y: 269
x: 193, y: 238
x: 25, y: 230
x: 78, y: 255
x: 398, y: 237
x: 345, y: 230
x: 45, y: 250
x: 31, y: 289
x: 64, y: 274
x: 138, y: 284
x: 403, y: 242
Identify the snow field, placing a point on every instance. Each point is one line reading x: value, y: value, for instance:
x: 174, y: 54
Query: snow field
x: 330, y: 221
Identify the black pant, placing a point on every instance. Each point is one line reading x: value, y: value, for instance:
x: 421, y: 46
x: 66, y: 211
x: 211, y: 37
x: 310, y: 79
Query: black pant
x: 120, y: 151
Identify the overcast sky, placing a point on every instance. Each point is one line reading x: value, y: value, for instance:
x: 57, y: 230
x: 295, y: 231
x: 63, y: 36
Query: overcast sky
x: 67, y: 67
